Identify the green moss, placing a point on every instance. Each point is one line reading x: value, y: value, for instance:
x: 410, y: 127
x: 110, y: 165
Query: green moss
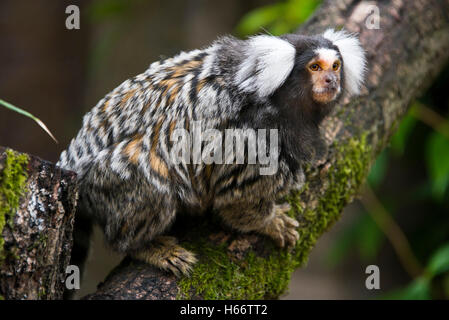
x: 344, y: 179
x: 217, y: 276
x: 12, y: 186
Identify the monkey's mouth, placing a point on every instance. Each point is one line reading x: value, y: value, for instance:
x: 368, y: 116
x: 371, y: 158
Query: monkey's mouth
x: 325, y: 94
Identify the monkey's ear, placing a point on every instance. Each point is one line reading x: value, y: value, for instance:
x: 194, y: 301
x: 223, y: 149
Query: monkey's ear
x: 267, y: 62
x: 353, y: 55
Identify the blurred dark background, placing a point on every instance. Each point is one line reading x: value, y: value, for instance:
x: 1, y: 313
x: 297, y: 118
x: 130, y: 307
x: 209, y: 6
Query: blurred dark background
x: 400, y: 223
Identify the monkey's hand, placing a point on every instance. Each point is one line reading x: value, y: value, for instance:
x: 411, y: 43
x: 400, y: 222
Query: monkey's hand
x: 282, y: 228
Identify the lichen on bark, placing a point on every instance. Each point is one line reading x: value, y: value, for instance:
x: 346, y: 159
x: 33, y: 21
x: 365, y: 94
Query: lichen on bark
x: 37, y: 204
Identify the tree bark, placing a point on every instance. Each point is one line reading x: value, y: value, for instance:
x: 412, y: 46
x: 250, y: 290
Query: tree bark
x: 37, y: 208
x: 404, y: 56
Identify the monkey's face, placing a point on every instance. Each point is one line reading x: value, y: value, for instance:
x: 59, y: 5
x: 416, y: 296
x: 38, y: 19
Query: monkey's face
x: 308, y: 73
x: 325, y: 74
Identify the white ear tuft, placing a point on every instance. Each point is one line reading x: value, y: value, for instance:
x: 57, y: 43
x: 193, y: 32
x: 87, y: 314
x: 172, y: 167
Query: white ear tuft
x: 354, y: 60
x: 267, y: 63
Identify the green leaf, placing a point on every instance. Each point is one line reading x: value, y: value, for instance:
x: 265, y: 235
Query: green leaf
x: 280, y: 27
x: 29, y: 115
x: 278, y: 18
x: 437, y: 158
x: 419, y: 289
x: 262, y: 17
x: 439, y: 261
x: 400, y: 138
x: 297, y: 11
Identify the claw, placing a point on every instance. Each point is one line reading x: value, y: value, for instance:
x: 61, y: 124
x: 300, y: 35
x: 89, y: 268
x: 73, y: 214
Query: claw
x: 282, y: 228
x: 169, y: 256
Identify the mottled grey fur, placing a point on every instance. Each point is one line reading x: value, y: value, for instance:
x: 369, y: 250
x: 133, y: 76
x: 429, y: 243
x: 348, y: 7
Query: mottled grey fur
x: 131, y: 187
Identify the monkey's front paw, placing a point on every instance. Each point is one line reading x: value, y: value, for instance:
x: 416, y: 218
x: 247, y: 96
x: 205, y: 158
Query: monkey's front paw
x: 169, y: 256
x: 282, y: 229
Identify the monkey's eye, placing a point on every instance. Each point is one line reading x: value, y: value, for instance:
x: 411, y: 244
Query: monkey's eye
x: 314, y: 67
x: 336, y: 65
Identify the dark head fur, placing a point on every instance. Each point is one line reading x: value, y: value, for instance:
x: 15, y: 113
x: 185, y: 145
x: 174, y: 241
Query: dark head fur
x: 290, y: 107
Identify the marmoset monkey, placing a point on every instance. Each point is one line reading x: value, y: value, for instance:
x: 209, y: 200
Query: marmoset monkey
x: 128, y: 180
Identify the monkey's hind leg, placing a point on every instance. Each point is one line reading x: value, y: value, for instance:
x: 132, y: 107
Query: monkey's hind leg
x: 166, y: 254
x: 134, y: 214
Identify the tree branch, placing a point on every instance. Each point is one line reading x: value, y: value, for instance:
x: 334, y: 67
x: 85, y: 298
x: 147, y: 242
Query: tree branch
x: 37, y: 209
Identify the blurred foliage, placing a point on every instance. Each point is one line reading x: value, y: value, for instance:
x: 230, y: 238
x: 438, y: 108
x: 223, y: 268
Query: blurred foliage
x: 421, y: 287
x: 278, y: 18
x: 364, y: 234
x: 115, y: 14
x: 105, y: 10
x: 421, y: 153
x: 437, y: 158
x: 411, y: 175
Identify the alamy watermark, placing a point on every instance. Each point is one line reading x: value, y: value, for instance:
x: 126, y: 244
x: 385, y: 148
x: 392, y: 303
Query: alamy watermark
x: 372, y: 20
x: 373, y: 280
x: 72, y: 280
x: 212, y: 146
x: 73, y: 20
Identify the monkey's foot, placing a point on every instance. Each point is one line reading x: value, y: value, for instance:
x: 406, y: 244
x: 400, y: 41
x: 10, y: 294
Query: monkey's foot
x: 167, y: 255
x: 282, y: 228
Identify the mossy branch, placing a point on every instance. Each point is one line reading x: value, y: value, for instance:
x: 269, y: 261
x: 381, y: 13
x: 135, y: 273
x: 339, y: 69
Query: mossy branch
x: 37, y: 208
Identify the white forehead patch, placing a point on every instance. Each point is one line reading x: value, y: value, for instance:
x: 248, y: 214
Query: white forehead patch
x: 329, y: 55
x: 354, y: 61
x: 268, y: 62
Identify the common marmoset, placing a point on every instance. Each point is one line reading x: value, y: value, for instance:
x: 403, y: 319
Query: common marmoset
x: 128, y: 181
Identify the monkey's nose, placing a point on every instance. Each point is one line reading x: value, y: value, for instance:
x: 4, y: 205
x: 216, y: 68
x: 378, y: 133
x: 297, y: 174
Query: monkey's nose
x: 330, y: 78
x: 331, y: 82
